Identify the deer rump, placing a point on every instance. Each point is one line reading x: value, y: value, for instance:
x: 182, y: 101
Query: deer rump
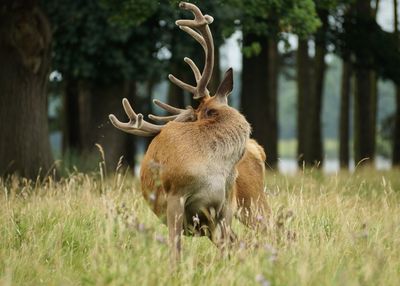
x: 245, y: 198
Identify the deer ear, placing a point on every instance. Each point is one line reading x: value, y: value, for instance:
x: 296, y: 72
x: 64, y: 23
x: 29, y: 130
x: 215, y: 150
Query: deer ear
x: 225, y: 87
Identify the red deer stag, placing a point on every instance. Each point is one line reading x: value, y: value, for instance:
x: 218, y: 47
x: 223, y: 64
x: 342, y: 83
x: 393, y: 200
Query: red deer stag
x: 250, y: 201
x: 189, y: 173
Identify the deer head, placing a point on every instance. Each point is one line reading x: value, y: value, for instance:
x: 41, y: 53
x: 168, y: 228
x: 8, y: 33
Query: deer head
x: 197, y: 28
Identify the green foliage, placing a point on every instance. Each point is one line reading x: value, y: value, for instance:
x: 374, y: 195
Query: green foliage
x: 86, y: 45
x: 253, y: 50
x: 358, y: 35
x: 301, y: 19
x: 130, y: 13
x: 275, y: 16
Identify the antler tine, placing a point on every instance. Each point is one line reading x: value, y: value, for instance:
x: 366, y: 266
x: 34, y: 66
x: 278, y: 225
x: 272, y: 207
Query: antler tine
x: 199, y: 18
x: 194, y: 68
x: 163, y: 119
x: 195, y: 35
x: 167, y: 107
x: 126, y: 128
x: 136, y: 125
x: 180, y: 115
x: 181, y: 84
x: 204, y: 37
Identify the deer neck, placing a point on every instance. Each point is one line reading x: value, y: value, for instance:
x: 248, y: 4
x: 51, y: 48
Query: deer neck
x: 226, y: 136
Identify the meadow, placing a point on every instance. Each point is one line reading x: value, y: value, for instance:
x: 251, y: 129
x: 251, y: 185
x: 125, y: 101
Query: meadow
x: 85, y: 229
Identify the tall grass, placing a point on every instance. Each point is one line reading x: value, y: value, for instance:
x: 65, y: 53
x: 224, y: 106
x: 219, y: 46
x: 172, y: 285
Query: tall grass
x: 82, y: 230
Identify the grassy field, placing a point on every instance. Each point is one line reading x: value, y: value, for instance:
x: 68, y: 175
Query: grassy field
x: 83, y: 230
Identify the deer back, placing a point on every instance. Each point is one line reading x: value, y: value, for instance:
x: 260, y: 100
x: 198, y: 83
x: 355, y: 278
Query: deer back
x: 190, y: 157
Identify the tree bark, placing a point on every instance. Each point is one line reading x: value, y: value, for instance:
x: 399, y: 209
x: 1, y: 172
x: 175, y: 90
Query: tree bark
x: 25, y: 40
x: 374, y: 92
x: 303, y: 93
x: 344, y: 124
x: 363, y: 148
x: 272, y: 107
x: 86, y: 120
x: 314, y: 148
x: 374, y: 110
x: 71, y: 126
x: 147, y: 104
x: 396, y: 135
x: 131, y: 140
x: 363, y: 130
x: 257, y: 96
x: 106, y: 100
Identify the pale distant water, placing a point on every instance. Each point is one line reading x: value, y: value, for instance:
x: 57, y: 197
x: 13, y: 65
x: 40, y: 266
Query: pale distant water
x: 289, y: 166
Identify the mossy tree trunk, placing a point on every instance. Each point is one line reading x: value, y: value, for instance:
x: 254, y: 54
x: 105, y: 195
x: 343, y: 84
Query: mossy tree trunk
x: 25, y: 40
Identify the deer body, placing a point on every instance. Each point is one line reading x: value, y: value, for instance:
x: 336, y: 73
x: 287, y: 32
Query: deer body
x: 202, y: 164
x: 251, y: 201
x: 247, y: 197
x: 196, y: 161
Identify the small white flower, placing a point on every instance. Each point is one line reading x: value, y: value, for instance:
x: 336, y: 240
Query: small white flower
x: 152, y: 197
x: 196, y: 219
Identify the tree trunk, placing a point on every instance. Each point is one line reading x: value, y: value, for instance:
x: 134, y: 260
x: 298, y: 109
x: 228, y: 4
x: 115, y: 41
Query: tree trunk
x: 344, y: 124
x: 147, y: 105
x: 106, y: 100
x: 258, y: 104
x: 131, y: 140
x: 176, y: 95
x: 374, y: 92
x: 71, y: 126
x: 272, y: 107
x: 363, y: 136
x: 396, y: 135
x: 362, y: 118
x: 314, y: 148
x: 303, y: 93
x: 86, y: 120
x: 24, y: 66
x: 374, y: 110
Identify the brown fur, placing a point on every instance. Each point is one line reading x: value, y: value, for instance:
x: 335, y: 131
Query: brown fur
x: 249, y: 201
x: 250, y: 198
x: 195, y: 163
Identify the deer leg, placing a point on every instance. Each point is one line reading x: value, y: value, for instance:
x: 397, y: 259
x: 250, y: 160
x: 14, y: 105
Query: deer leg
x: 223, y: 236
x: 175, y: 212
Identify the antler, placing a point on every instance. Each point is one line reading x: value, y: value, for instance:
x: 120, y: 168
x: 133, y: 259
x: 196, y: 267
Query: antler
x: 179, y: 115
x: 136, y: 125
x: 200, y: 31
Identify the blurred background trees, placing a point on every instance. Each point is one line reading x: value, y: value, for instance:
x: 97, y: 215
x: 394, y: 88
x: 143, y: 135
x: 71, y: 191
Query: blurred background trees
x: 318, y: 80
